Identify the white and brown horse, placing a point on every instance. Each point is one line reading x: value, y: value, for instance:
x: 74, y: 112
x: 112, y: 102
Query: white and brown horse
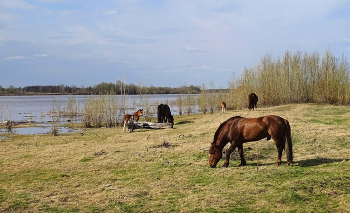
x: 223, y: 106
x: 133, y: 117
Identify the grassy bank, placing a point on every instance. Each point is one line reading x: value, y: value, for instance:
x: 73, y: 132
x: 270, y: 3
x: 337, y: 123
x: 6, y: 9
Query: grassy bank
x: 108, y: 170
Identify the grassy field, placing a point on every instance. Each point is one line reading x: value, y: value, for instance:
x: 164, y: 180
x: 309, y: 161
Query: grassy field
x: 108, y: 170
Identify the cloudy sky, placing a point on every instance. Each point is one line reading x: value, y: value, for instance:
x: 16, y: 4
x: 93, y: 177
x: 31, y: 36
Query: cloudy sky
x: 159, y: 42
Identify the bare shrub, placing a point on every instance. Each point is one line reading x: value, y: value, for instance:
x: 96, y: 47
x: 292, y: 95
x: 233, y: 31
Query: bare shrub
x: 54, y: 130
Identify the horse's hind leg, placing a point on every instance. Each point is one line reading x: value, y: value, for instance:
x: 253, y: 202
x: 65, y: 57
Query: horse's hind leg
x: 280, y: 147
x: 241, y: 154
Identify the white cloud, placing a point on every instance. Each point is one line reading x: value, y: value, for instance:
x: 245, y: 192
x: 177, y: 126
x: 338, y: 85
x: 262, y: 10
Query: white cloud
x: 17, y: 5
x: 119, y: 62
x: 346, y: 40
x: 50, y: 1
x: 14, y: 58
x: 40, y: 55
x: 111, y: 12
x: 191, y: 49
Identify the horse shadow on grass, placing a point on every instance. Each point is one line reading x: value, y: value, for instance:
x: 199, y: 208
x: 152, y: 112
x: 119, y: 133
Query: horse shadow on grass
x: 318, y: 161
x: 301, y: 163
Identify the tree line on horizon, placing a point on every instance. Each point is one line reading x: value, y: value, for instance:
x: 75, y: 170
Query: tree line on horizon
x: 118, y: 88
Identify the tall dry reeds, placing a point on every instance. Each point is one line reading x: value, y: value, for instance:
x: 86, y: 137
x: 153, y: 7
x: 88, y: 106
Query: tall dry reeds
x: 210, y: 100
x: 110, y: 111
x: 145, y: 103
x: 297, y: 77
x: 203, y: 99
x: 100, y: 110
x: 72, y: 106
x: 180, y: 103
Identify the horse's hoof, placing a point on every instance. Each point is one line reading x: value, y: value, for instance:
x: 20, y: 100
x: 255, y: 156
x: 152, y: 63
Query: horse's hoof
x: 240, y: 165
x: 278, y: 163
x: 225, y: 165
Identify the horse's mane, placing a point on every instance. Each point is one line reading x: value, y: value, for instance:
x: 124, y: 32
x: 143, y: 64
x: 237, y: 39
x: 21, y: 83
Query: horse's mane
x: 222, y: 125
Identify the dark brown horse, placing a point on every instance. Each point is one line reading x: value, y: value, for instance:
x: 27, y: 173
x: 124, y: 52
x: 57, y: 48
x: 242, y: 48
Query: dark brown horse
x: 164, y: 114
x: 238, y: 130
x: 252, y: 100
x: 134, y: 117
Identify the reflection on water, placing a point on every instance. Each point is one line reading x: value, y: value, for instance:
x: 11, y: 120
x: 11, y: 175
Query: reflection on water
x: 38, y: 130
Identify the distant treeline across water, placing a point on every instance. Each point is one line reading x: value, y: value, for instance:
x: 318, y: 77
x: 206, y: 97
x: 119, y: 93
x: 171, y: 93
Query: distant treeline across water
x: 99, y: 89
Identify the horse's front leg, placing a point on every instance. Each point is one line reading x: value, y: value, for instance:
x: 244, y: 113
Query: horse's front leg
x: 228, y: 153
x: 124, y: 125
x: 241, y: 154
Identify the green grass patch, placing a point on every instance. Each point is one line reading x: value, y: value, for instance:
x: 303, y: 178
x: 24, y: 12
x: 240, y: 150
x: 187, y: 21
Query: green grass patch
x: 19, y: 202
x: 343, y: 142
x: 201, y: 155
x: 86, y: 159
x: 62, y: 210
x: 3, y: 195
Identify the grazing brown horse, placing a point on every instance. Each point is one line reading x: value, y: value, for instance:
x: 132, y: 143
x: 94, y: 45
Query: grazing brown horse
x: 134, y: 117
x: 238, y: 130
x: 223, y: 107
x: 252, y: 100
x: 164, y: 114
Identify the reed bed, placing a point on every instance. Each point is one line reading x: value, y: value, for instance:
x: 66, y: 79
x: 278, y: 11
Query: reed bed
x: 297, y: 77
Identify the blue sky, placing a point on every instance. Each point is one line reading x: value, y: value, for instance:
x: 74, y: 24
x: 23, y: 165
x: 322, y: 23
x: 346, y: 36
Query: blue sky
x: 159, y: 42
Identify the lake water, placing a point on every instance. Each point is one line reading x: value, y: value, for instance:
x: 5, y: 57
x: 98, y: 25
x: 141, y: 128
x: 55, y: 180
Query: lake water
x: 41, y: 110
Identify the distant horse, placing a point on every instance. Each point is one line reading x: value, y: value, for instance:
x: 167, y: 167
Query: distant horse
x: 133, y: 117
x: 252, y: 100
x: 223, y: 107
x: 164, y: 114
x: 238, y: 130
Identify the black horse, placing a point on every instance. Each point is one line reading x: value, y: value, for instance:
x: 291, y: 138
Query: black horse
x: 252, y: 100
x: 164, y: 114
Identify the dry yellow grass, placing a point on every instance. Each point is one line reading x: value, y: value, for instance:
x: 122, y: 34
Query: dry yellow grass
x: 108, y: 170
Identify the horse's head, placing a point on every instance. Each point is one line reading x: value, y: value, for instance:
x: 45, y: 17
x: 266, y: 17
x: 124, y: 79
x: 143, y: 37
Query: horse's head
x: 171, y: 119
x: 215, y: 155
x: 139, y: 112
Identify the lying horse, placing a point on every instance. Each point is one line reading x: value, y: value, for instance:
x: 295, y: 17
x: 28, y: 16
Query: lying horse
x: 223, y: 107
x: 133, y: 117
x: 238, y: 130
x: 252, y: 100
x: 164, y: 114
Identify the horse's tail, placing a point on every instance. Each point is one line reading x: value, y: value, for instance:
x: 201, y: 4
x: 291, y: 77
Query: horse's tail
x: 288, y: 143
